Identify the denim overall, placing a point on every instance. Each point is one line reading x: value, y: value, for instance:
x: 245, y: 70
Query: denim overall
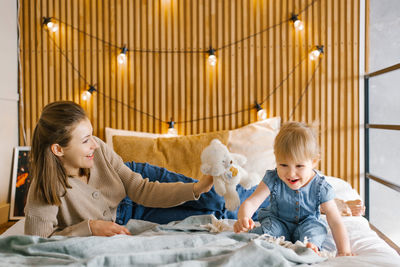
x: 295, y: 214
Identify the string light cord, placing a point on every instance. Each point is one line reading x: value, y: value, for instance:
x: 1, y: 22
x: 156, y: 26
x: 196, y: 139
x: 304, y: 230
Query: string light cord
x: 187, y: 51
x: 304, y: 91
x: 67, y: 59
x: 252, y: 35
x: 310, y: 4
x: 181, y: 51
x: 130, y: 107
x: 264, y: 30
x: 249, y: 108
x: 99, y: 92
x: 283, y: 81
x: 184, y: 121
x: 87, y: 34
x: 216, y: 116
x: 131, y: 49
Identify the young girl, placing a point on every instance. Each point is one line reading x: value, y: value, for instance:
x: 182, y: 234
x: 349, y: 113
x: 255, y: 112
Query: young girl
x: 296, y: 192
x: 78, y: 182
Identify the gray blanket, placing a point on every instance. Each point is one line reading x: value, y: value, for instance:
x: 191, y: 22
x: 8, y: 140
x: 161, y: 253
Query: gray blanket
x: 184, y: 243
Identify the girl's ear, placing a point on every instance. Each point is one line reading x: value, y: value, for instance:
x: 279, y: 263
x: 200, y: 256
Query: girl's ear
x: 315, y: 162
x: 57, y: 150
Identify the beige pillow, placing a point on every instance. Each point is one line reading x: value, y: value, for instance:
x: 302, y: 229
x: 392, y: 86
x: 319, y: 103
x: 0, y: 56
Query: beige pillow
x: 178, y: 154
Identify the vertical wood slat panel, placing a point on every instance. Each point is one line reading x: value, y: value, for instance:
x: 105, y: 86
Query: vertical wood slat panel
x: 182, y: 85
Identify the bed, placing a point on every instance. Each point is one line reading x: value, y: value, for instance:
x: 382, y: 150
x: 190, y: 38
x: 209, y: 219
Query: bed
x: 198, y: 240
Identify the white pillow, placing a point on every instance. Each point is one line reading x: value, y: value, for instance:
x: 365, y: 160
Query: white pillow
x: 256, y: 142
x: 110, y: 132
x: 343, y: 189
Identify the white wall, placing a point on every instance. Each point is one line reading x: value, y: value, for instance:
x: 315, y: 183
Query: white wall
x: 8, y: 92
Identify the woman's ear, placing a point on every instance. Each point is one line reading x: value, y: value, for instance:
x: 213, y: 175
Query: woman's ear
x: 57, y: 150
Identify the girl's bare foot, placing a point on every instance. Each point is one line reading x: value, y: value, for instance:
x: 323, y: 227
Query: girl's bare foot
x: 313, y: 247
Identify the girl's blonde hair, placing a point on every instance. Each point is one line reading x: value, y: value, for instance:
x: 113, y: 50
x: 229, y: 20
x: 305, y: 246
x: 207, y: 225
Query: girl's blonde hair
x: 296, y: 141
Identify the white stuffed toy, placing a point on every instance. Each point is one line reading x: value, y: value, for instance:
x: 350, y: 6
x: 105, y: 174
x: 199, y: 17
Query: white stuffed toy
x: 226, y: 169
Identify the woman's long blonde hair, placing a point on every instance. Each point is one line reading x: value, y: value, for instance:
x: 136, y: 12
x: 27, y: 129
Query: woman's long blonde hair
x: 57, y: 121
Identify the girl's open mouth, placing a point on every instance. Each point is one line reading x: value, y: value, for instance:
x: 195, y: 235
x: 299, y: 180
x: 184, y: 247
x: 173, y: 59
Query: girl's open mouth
x: 293, y: 181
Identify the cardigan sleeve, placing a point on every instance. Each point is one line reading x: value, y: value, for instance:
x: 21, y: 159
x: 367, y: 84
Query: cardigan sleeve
x: 35, y: 225
x: 41, y: 219
x: 144, y: 192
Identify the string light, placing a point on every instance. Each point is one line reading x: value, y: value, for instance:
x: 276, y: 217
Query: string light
x: 171, y: 129
x: 88, y: 93
x: 122, y: 56
x: 171, y: 123
x: 317, y: 52
x: 50, y: 24
x: 212, y: 59
x: 261, y: 113
x: 210, y: 52
x: 298, y: 24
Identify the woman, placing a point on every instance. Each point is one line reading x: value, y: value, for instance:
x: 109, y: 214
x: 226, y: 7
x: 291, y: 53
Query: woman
x: 78, y: 182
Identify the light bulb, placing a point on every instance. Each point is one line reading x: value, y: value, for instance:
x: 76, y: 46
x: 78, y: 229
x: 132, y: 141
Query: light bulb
x: 86, y: 95
x: 315, y: 54
x: 262, y: 114
x: 121, y: 58
x: 212, y: 60
x: 52, y: 26
x: 172, y: 131
x: 298, y: 25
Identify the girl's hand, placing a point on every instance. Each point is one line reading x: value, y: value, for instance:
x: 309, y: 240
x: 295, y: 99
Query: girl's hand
x: 202, y: 186
x: 107, y: 228
x: 243, y: 225
x: 341, y: 254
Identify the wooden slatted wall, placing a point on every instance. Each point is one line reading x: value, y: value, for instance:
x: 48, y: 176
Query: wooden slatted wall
x: 257, y: 50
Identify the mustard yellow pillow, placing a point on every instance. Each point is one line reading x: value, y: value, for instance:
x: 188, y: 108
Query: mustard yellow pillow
x: 178, y: 154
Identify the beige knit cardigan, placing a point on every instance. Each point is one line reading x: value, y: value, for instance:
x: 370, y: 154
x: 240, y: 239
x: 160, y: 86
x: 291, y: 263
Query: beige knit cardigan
x: 110, y: 181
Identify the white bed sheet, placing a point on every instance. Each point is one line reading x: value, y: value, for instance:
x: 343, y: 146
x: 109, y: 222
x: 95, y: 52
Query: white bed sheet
x: 369, y: 248
x: 16, y: 229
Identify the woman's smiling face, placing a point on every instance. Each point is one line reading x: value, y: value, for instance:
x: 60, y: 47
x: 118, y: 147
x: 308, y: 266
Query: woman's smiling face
x: 296, y: 174
x: 79, y: 153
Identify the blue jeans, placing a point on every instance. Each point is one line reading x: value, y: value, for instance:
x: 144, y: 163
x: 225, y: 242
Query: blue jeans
x: 208, y: 203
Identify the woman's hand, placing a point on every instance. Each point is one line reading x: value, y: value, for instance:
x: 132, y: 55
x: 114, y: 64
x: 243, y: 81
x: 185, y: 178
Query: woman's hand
x: 243, y: 225
x: 202, y: 186
x: 107, y: 228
